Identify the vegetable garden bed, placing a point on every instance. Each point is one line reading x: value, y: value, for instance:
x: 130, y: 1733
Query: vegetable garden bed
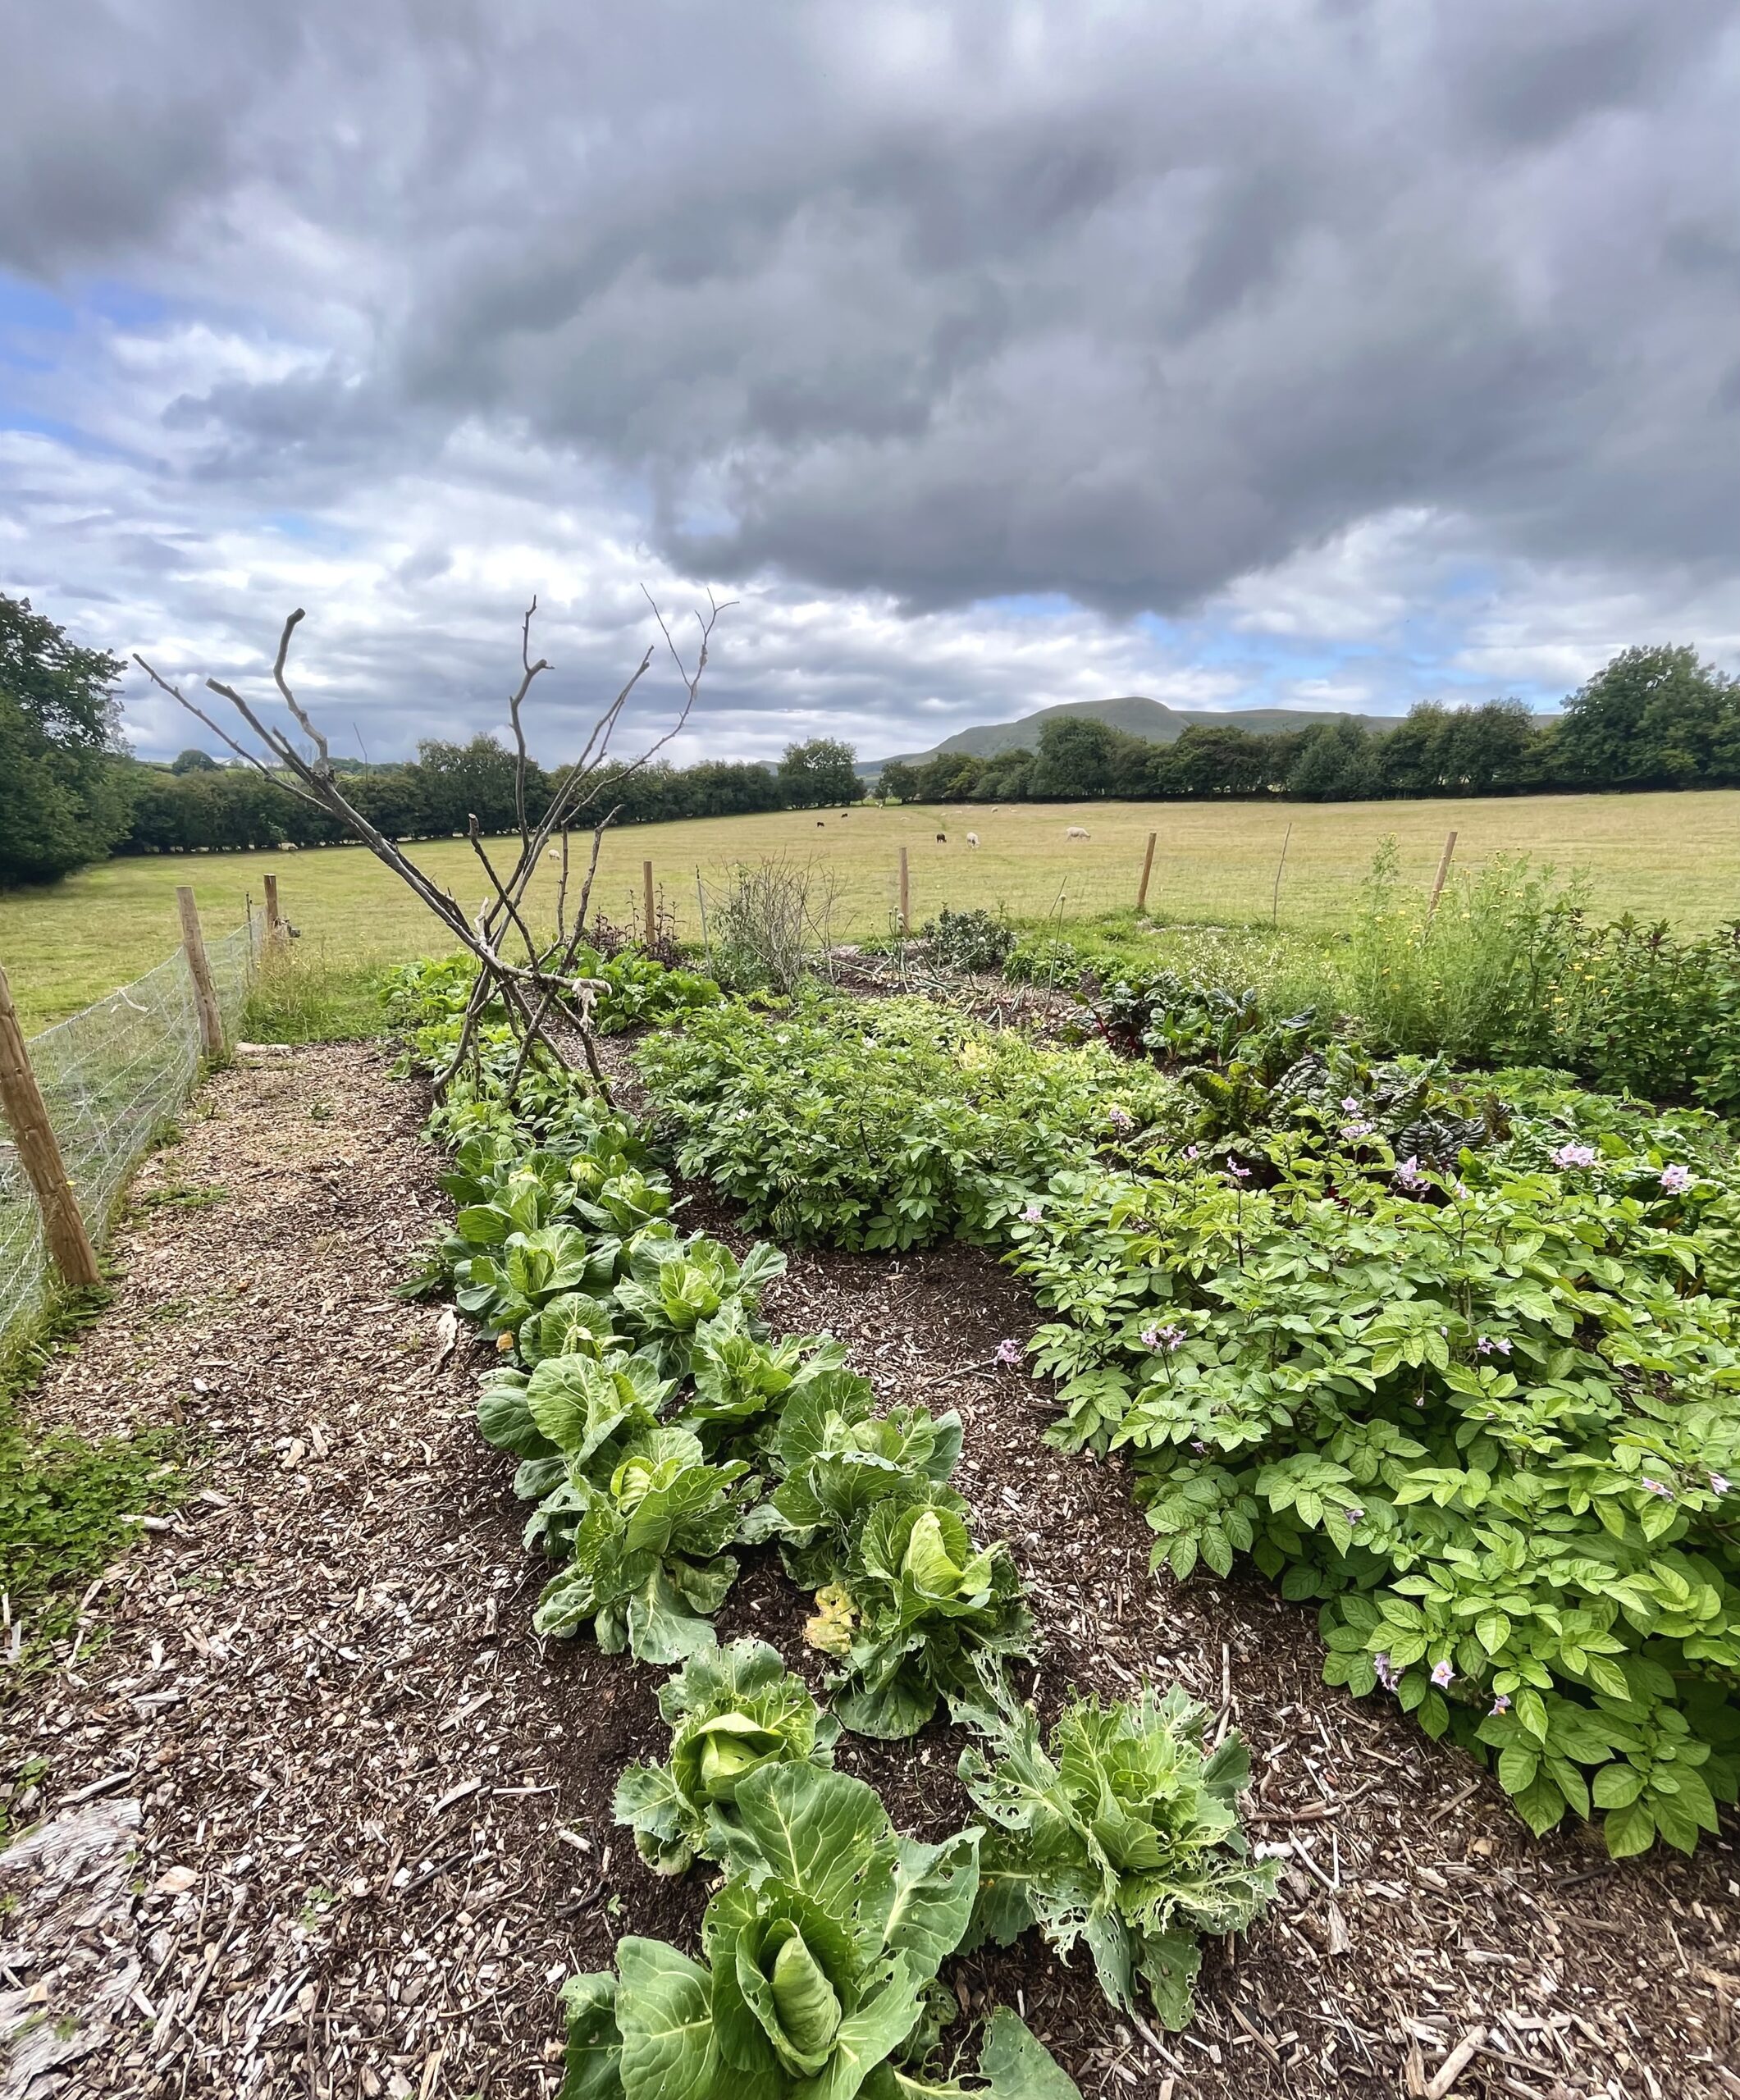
x: 393, y: 1805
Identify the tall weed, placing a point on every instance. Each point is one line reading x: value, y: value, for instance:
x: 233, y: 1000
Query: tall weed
x: 1475, y: 978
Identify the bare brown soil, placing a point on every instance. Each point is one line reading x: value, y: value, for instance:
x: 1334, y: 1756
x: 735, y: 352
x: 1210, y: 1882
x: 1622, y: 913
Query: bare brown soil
x: 371, y: 1813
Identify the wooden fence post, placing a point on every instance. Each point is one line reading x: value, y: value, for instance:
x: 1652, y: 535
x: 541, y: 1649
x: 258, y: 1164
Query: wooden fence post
x: 1147, y: 868
x: 1437, y: 887
x: 905, y: 894
x: 1275, y: 900
x: 205, y: 996
x: 63, y: 1229
x: 646, y: 881
x: 274, y: 923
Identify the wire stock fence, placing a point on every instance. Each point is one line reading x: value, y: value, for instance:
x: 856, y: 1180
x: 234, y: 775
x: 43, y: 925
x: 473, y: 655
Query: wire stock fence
x: 112, y: 1077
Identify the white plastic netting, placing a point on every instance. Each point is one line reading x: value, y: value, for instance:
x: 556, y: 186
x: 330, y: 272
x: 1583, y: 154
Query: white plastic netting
x: 112, y: 1077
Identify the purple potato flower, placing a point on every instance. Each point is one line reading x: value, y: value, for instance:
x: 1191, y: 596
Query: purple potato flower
x: 1408, y: 1177
x: 1009, y: 1351
x: 1488, y: 1343
x: 1501, y: 1704
x: 1033, y: 1214
x: 1574, y: 1156
x: 1442, y: 1672
x: 1238, y: 1173
x: 1720, y: 1483
x: 1675, y: 1180
x: 1656, y: 1487
x: 1120, y: 1119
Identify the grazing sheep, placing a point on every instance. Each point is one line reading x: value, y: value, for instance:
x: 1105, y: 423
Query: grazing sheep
x: 942, y: 839
x: 972, y: 838
x: 821, y: 823
x: 1075, y: 831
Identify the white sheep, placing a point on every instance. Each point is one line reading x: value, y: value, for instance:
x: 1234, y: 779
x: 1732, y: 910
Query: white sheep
x: 1075, y: 831
x: 972, y: 838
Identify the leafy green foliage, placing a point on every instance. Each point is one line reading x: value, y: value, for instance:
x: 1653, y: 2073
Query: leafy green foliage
x: 730, y: 1711
x: 918, y: 1607
x: 1122, y: 1831
x: 426, y: 1000
x: 64, y: 1502
x: 838, y: 1462
x: 1509, y: 968
x: 649, y: 1567
x: 675, y: 1284
x: 1487, y: 1415
x: 883, y: 1125
x: 822, y: 1948
x: 973, y: 939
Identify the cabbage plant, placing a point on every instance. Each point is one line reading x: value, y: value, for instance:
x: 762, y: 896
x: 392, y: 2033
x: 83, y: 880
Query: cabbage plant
x: 649, y: 1567
x: 503, y: 1288
x: 839, y: 1465
x: 915, y: 1612
x: 1123, y: 1831
x: 743, y: 1376
x: 672, y: 1285
x: 822, y: 1948
x: 730, y: 1711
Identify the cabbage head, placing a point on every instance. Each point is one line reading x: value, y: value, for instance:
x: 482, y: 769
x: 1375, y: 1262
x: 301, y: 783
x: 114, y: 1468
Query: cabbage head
x: 822, y: 1948
x: 924, y: 1605
x: 649, y: 1567
x: 730, y: 1711
x: 1123, y: 1831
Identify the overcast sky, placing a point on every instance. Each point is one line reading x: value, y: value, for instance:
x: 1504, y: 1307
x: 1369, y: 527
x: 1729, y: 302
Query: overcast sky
x: 1317, y: 352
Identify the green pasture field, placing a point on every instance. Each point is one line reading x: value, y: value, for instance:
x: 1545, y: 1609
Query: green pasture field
x: 1675, y: 856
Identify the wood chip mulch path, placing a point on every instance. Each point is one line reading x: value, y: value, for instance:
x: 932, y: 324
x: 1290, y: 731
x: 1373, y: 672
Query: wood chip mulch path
x: 321, y: 1817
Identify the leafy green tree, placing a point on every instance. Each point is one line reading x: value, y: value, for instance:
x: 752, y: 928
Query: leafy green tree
x: 64, y: 800
x: 1007, y: 778
x: 460, y: 781
x: 899, y: 782
x: 1338, y: 763
x: 1654, y: 717
x: 194, y: 760
x: 1076, y: 759
x: 950, y: 777
x: 1209, y: 759
x: 821, y: 771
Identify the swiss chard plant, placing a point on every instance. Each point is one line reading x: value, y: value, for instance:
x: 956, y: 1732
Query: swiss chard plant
x: 1121, y: 1833
x: 822, y: 1949
x: 649, y: 1567
x: 730, y: 1711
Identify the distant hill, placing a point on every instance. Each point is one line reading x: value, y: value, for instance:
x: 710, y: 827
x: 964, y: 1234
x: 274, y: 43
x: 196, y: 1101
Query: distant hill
x: 1151, y: 720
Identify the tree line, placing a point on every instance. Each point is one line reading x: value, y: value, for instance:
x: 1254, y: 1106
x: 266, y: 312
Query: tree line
x: 1654, y: 718
x: 70, y: 792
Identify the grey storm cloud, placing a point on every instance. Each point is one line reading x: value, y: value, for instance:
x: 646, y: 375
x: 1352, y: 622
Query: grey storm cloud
x: 949, y: 302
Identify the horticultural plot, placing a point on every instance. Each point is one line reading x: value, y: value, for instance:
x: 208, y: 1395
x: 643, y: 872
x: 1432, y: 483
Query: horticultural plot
x: 877, y: 1646
x: 387, y: 1565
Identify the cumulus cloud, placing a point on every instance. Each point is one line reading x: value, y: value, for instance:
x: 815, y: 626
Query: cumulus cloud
x: 991, y: 356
